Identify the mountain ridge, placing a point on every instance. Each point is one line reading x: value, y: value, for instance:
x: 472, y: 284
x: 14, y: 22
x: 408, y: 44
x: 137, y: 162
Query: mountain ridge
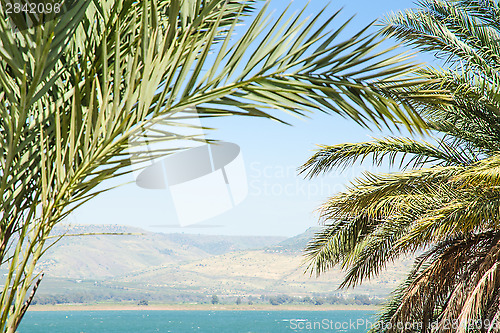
x: 172, y: 265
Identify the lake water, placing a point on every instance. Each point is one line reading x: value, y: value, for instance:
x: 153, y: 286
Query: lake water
x: 195, y: 321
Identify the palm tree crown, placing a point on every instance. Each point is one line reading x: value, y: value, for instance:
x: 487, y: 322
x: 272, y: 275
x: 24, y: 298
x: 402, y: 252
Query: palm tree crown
x: 445, y: 203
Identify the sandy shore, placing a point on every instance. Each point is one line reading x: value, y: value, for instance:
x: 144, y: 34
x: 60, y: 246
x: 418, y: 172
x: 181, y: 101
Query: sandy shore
x: 196, y: 307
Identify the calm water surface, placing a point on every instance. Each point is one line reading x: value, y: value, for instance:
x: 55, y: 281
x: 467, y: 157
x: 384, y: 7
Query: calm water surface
x: 195, y: 321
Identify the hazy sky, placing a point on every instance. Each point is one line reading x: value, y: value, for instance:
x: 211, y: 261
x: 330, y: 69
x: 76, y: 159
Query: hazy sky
x: 279, y: 202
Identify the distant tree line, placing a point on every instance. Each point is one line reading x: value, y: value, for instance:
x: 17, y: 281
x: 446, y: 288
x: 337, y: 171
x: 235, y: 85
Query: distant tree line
x: 145, y: 298
x: 320, y: 300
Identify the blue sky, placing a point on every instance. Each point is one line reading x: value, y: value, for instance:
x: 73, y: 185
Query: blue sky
x: 279, y: 202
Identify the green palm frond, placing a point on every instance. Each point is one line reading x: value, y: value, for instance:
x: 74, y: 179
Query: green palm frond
x: 446, y: 29
x: 376, y: 250
x: 382, y: 217
x: 485, y: 173
x: 332, y: 244
x: 367, y: 223
x: 446, y: 282
x: 367, y: 191
x: 345, y: 154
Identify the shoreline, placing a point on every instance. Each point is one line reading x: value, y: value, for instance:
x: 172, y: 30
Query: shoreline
x: 199, y: 307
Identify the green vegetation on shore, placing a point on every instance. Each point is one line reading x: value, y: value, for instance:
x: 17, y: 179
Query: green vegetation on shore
x: 183, y: 299
x: 125, y: 306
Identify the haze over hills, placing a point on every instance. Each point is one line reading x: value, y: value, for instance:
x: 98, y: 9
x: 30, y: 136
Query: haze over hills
x: 182, y: 264
x: 106, y: 256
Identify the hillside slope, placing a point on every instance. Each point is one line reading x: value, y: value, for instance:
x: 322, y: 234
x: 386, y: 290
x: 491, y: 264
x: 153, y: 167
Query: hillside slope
x: 156, y: 263
x: 107, y: 256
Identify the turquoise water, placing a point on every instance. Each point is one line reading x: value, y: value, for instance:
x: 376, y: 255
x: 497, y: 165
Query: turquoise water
x: 195, y: 321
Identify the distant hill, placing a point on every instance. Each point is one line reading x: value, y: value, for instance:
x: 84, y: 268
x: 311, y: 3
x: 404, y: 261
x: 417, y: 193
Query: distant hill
x: 106, y: 256
x: 295, y: 244
x: 182, y: 264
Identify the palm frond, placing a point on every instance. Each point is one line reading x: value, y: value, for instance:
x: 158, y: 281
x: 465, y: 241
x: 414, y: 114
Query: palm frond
x: 345, y: 154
